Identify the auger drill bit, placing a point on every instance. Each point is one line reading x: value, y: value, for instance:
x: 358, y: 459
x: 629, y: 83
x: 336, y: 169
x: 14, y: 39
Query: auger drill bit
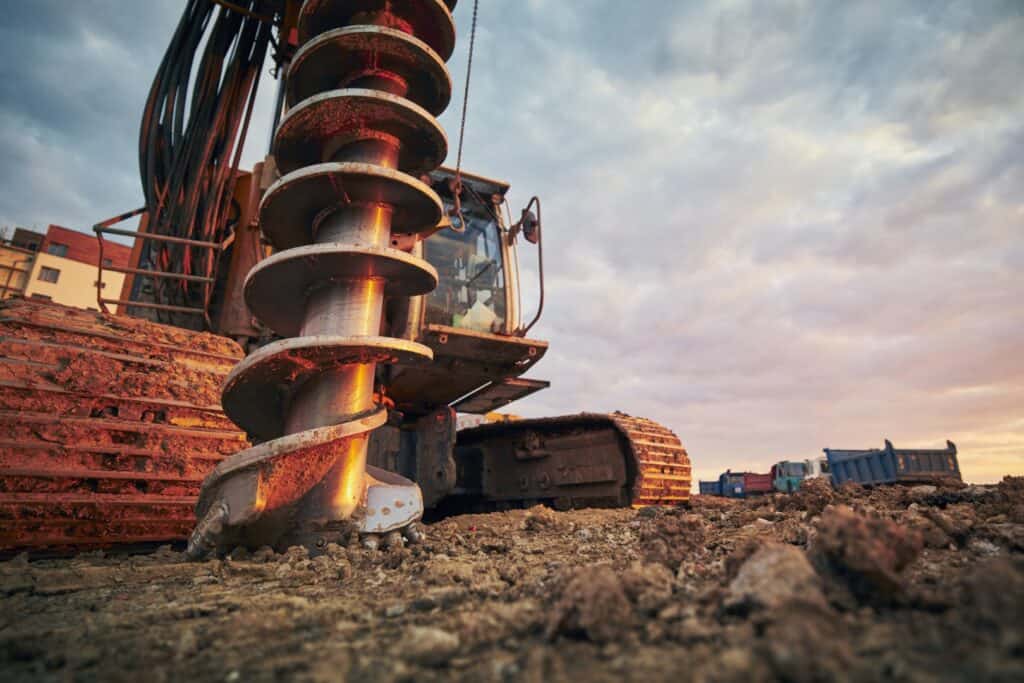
x: 363, y: 90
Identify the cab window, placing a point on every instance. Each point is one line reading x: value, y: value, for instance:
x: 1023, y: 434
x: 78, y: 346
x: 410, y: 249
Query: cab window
x: 471, y: 274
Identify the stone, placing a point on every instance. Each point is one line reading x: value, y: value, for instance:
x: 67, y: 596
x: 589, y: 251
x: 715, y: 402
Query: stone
x: 429, y: 646
x: 772, y: 577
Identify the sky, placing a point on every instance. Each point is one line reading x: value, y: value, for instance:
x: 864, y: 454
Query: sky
x: 772, y: 226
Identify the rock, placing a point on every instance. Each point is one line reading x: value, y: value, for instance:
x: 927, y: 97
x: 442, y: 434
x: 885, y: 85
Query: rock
x: 295, y: 554
x: 322, y: 564
x: 671, y: 613
x: 863, y: 554
x: 917, y: 492
x: 542, y: 518
x: 239, y: 554
x: 980, y: 546
x: 1009, y: 536
x: 771, y: 578
x: 335, y: 551
x: 648, y: 585
x: 592, y: 605
x: 395, y: 610
x: 264, y: 554
x: 975, y: 492
x: 429, y: 646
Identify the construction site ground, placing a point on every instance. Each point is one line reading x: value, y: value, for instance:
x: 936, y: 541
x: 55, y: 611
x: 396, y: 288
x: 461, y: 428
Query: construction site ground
x: 896, y: 583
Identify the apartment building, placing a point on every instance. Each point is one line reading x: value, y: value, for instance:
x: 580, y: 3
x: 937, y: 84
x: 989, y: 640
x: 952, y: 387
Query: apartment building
x: 62, y: 267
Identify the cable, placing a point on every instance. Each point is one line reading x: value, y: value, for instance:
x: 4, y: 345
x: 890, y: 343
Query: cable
x: 190, y: 141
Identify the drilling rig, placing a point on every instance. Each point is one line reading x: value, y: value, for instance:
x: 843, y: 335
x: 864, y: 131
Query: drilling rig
x: 377, y: 293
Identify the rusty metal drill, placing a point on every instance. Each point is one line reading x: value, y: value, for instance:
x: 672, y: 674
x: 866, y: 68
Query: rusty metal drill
x: 363, y: 90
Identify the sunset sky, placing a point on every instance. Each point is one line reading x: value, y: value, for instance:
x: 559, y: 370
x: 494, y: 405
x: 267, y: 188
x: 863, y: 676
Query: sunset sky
x: 772, y: 226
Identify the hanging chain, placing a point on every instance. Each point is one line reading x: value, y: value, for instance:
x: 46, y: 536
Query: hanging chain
x: 457, y: 189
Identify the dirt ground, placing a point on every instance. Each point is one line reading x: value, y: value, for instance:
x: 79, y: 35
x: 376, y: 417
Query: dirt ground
x: 901, y: 583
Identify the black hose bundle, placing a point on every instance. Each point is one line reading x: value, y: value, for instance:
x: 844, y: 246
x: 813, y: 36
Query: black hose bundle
x: 190, y: 144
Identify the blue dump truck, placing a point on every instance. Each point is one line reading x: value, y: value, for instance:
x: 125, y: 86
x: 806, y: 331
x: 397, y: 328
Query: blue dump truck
x: 890, y: 465
x: 711, y: 488
x: 737, y: 485
x: 731, y: 484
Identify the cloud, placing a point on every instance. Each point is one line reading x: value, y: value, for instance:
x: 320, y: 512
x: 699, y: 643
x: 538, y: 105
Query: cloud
x: 772, y: 226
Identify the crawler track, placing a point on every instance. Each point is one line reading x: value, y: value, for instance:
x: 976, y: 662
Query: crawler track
x: 572, y: 461
x: 662, y: 464
x: 107, y: 426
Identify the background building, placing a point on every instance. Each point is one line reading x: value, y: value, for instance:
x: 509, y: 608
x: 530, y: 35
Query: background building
x: 16, y: 258
x: 60, y: 266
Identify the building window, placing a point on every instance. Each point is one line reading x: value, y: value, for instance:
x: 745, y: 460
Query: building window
x: 49, y: 274
x: 57, y: 249
x: 42, y: 297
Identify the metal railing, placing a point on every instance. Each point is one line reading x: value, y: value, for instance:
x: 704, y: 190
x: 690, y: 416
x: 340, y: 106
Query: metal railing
x: 104, y: 227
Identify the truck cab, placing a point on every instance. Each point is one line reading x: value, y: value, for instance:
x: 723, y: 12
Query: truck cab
x: 787, y: 475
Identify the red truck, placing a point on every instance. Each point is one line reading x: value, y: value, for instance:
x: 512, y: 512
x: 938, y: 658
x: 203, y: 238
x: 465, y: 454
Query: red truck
x: 755, y: 484
x: 743, y: 484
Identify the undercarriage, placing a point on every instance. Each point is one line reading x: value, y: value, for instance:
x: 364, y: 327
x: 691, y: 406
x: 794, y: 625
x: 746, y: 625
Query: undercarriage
x: 109, y: 425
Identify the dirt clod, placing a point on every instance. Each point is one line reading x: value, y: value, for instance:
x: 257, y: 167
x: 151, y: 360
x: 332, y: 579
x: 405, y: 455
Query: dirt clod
x: 863, y: 554
x: 648, y: 585
x: 593, y: 605
x: 813, y: 496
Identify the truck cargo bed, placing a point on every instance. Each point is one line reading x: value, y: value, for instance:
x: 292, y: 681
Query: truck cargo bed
x: 888, y: 465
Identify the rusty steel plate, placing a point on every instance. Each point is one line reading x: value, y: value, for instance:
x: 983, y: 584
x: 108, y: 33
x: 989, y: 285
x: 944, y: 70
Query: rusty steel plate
x: 291, y: 205
x: 249, y: 500
x: 322, y: 63
x: 255, y: 392
x: 269, y: 450
x: 429, y: 20
x: 275, y: 284
x: 358, y: 113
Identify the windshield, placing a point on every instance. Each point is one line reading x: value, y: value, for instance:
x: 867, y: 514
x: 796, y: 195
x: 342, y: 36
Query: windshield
x: 471, y: 275
x: 794, y: 469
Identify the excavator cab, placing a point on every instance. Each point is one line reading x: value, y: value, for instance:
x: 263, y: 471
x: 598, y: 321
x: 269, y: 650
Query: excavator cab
x: 471, y: 320
x: 471, y: 292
